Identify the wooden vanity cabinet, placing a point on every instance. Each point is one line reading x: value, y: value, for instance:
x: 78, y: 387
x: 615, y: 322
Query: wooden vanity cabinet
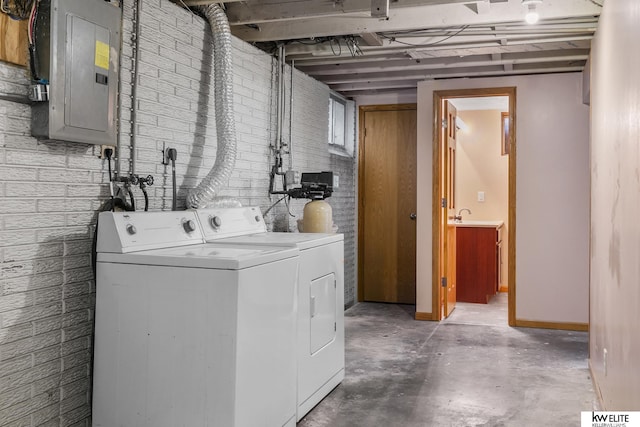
x: 477, y: 263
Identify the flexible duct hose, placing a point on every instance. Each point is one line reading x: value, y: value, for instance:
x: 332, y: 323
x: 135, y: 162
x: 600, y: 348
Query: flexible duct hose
x: 219, y: 175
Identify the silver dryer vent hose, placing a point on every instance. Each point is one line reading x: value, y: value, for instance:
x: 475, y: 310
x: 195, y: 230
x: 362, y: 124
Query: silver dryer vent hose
x: 226, y: 151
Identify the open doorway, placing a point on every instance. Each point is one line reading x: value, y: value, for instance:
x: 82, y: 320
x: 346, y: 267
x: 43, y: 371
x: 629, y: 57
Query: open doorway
x: 474, y: 187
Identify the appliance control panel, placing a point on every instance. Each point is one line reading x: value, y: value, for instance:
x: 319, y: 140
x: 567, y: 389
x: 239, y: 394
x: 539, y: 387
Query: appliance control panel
x: 218, y: 223
x: 122, y: 232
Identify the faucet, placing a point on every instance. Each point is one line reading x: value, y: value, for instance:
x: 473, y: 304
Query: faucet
x: 458, y: 218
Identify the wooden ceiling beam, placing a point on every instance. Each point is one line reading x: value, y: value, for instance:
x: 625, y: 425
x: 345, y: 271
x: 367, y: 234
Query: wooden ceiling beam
x: 323, y: 54
x: 498, y: 72
x: 434, y: 16
x: 259, y: 11
x: 372, y: 39
x: 202, y: 2
x: 408, y: 65
x: 472, y: 67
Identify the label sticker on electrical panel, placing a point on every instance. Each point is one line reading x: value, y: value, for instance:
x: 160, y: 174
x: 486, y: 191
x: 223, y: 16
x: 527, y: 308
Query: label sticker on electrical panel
x: 102, y: 55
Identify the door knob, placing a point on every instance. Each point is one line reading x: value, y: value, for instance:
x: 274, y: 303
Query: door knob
x: 413, y: 216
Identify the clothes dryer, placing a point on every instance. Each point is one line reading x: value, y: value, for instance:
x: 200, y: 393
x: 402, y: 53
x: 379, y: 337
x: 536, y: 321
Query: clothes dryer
x: 320, y: 295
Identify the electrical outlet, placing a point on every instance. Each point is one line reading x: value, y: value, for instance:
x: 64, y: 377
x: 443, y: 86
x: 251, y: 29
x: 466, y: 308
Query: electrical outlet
x: 481, y: 196
x: 104, y: 147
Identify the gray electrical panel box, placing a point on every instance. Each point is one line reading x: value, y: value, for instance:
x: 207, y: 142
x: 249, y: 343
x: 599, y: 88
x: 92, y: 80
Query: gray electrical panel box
x: 77, y: 49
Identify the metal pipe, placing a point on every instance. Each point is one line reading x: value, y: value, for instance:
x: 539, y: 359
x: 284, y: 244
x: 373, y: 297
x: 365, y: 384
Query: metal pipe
x: 118, y: 105
x: 291, y: 118
x: 283, y: 97
x: 134, y: 86
x: 279, y: 112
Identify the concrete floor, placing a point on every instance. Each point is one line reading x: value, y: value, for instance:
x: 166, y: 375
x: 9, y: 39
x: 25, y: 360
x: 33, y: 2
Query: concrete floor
x: 469, y: 370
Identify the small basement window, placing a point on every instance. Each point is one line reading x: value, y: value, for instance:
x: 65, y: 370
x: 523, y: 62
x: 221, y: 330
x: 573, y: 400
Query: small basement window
x: 341, y: 135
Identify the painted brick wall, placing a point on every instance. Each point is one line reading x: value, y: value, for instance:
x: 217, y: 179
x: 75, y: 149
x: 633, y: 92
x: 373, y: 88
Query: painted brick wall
x: 309, y: 131
x: 176, y: 106
x: 344, y: 202
x: 176, y: 109
x: 50, y: 194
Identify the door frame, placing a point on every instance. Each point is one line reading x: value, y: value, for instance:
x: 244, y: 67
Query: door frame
x: 361, y: 135
x: 438, y: 97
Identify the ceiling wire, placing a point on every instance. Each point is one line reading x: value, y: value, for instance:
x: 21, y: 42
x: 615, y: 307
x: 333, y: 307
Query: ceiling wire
x: 354, y: 47
x: 393, y: 39
x: 32, y: 20
x: 309, y: 43
x: 333, y: 49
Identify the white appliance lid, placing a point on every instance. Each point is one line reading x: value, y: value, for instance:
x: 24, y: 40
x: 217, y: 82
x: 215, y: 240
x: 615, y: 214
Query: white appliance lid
x: 207, y: 255
x: 300, y: 240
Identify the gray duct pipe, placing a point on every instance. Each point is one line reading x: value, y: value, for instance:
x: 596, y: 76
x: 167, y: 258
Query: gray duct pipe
x: 206, y: 191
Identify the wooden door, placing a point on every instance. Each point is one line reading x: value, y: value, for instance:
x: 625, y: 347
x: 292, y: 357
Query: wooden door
x: 448, y: 186
x: 388, y: 204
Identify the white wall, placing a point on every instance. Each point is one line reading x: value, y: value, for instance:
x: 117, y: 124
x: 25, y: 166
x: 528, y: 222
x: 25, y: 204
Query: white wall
x: 552, y: 194
x: 615, y: 203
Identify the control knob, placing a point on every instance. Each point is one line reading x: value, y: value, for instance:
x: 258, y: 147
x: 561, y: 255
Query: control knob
x: 215, y: 221
x: 131, y: 229
x: 189, y: 226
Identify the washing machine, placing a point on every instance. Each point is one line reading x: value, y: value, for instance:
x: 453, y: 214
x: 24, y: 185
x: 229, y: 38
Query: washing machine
x: 191, y: 333
x: 320, y: 295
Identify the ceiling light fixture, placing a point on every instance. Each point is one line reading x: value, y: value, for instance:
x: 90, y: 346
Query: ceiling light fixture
x: 532, y: 13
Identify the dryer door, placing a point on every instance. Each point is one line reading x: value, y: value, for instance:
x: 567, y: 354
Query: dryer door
x: 323, y: 311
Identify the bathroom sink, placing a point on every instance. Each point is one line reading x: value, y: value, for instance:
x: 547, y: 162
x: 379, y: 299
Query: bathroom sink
x: 477, y: 223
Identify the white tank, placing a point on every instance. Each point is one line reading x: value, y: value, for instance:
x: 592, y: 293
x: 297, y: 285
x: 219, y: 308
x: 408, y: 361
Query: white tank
x: 317, y: 217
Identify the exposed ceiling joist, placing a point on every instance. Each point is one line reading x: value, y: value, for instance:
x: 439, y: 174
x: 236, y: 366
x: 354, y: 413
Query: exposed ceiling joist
x: 437, y: 16
x: 372, y: 39
x: 410, y: 91
x: 259, y: 11
x: 453, y: 52
x: 423, y: 73
x: 480, y: 7
x: 407, y: 65
x: 203, y: 2
x: 376, y: 85
x: 337, y: 52
x: 380, y: 87
x: 339, y: 43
